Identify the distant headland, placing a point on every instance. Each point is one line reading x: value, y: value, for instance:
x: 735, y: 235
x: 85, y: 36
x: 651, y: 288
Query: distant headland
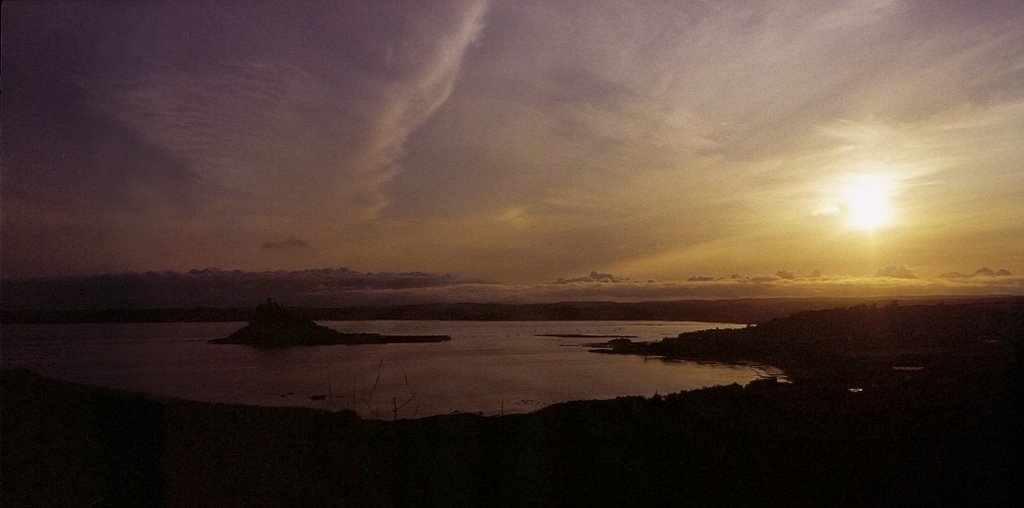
x: 749, y: 310
x: 275, y: 326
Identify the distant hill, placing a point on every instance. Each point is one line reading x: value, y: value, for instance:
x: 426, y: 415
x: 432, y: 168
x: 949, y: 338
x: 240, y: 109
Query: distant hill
x: 726, y: 311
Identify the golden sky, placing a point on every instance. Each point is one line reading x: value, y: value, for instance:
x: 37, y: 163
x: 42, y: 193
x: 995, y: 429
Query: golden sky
x: 520, y: 142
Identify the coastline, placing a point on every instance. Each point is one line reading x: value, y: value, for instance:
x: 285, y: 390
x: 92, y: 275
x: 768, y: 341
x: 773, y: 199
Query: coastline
x: 945, y: 434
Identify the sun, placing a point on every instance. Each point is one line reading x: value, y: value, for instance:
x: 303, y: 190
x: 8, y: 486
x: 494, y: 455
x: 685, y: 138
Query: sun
x: 863, y: 201
x: 866, y: 204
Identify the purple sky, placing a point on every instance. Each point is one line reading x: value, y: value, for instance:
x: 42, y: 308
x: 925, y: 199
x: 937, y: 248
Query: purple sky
x: 516, y: 141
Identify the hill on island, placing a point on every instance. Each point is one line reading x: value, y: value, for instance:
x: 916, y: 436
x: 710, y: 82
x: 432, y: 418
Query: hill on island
x: 275, y: 326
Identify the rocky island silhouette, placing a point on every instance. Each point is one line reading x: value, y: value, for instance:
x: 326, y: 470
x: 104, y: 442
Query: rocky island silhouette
x: 273, y: 325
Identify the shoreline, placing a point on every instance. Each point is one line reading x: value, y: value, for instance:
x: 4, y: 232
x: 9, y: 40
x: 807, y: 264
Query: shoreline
x: 850, y: 430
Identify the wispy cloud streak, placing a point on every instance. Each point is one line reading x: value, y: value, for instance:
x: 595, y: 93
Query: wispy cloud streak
x: 517, y: 141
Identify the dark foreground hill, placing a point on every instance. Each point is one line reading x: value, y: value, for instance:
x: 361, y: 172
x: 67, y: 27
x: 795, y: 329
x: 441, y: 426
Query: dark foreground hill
x: 913, y: 439
x: 774, y: 445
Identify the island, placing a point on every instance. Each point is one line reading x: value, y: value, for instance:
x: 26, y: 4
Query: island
x: 276, y: 326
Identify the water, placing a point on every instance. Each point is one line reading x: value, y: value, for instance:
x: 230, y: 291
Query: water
x: 487, y: 367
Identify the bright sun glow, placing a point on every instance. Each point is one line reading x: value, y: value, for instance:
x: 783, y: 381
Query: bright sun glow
x: 867, y: 205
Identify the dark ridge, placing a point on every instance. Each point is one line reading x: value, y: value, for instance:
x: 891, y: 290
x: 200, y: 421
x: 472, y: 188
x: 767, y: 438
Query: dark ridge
x: 275, y: 326
x: 753, y: 310
x: 584, y: 336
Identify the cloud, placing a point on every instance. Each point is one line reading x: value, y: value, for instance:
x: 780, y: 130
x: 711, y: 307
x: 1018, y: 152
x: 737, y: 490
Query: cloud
x: 92, y: 161
x: 785, y: 275
x: 330, y: 287
x: 604, y: 278
x: 895, y: 272
x: 536, y: 138
x: 286, y: 243
x: 286, y: 116
x: 980, y: 272
x: 213, y: 287
x: 281, y: 134
x: 700, y: 278
x: 827, y: 209
x: 747, y: 287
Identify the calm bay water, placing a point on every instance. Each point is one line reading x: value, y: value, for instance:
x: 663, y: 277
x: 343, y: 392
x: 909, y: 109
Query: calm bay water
x: 487, y: 367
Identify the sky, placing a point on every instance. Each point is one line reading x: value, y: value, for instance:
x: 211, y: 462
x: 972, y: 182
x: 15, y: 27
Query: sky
x: 836, y: 146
